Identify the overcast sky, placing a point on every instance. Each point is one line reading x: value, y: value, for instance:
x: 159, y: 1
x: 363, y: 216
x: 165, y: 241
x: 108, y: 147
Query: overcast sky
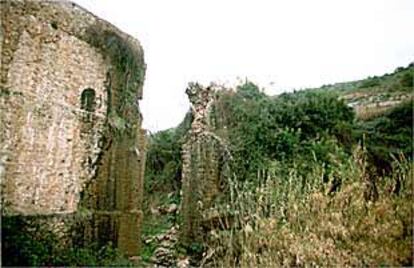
x: 280, y: 45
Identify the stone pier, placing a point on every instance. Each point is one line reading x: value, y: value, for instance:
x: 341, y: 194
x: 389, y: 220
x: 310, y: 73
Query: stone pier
x: 203, y: 157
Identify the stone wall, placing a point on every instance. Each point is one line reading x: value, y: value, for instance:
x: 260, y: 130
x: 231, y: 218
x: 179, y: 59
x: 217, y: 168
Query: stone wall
x: 70, y: 126
x: 204, y: 164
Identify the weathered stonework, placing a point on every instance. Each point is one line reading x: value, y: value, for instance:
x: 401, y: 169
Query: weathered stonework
x: 70, y: 126
x: 204, y: 164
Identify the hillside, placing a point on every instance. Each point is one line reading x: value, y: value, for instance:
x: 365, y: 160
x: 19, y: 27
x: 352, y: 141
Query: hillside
x: 340, y: 155
x: 374, y: 95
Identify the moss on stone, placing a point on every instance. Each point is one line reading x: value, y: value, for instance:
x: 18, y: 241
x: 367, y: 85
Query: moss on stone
x: 125, y: 78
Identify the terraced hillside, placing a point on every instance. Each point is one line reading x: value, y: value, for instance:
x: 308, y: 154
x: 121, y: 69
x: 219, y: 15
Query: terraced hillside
x: 375, y: 95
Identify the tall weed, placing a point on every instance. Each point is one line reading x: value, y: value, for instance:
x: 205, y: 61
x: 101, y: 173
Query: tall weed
x: 296, y: 220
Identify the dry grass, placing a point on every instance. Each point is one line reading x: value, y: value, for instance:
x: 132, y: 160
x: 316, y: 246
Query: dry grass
x: 366, y: 113
x: 370, y: 111
x: 286, y: 223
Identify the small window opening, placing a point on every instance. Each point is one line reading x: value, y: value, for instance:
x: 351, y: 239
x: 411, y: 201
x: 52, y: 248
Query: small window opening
x: 88, y: 100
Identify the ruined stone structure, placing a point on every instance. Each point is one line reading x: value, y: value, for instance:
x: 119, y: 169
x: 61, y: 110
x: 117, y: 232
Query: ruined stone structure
x: 204, y: 164
x: 70, y: 128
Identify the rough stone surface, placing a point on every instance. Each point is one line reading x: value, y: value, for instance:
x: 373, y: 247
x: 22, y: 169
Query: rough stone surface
x: 166, y: 253
x: 70, y: 126
x: 203, y: 158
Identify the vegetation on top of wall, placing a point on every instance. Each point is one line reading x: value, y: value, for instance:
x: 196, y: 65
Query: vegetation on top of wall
x: 126, y: 77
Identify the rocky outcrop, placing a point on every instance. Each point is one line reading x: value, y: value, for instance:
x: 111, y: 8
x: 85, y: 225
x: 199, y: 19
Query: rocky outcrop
x: 70, y: 127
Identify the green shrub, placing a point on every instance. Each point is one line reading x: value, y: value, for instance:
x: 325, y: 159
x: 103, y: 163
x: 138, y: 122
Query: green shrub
x: 370, y: 82
x: 261, y: 128
x: 389, y: 134
x: 28, y: 243
x: 406, y: 80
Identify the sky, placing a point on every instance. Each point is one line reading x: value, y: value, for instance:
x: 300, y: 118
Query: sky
x: 279, y: 45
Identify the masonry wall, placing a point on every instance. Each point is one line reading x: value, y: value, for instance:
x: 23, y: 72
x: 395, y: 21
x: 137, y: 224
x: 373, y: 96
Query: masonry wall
x: 70, y: 126
x: 204, y: 166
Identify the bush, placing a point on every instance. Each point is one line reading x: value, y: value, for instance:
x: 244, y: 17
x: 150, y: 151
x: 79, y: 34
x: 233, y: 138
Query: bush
x: 388, y: 135
x: 406, y: 80
x: 28, y: 243
x: 370, y: 82
x: 163, y: 163
x: 261, y: 128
